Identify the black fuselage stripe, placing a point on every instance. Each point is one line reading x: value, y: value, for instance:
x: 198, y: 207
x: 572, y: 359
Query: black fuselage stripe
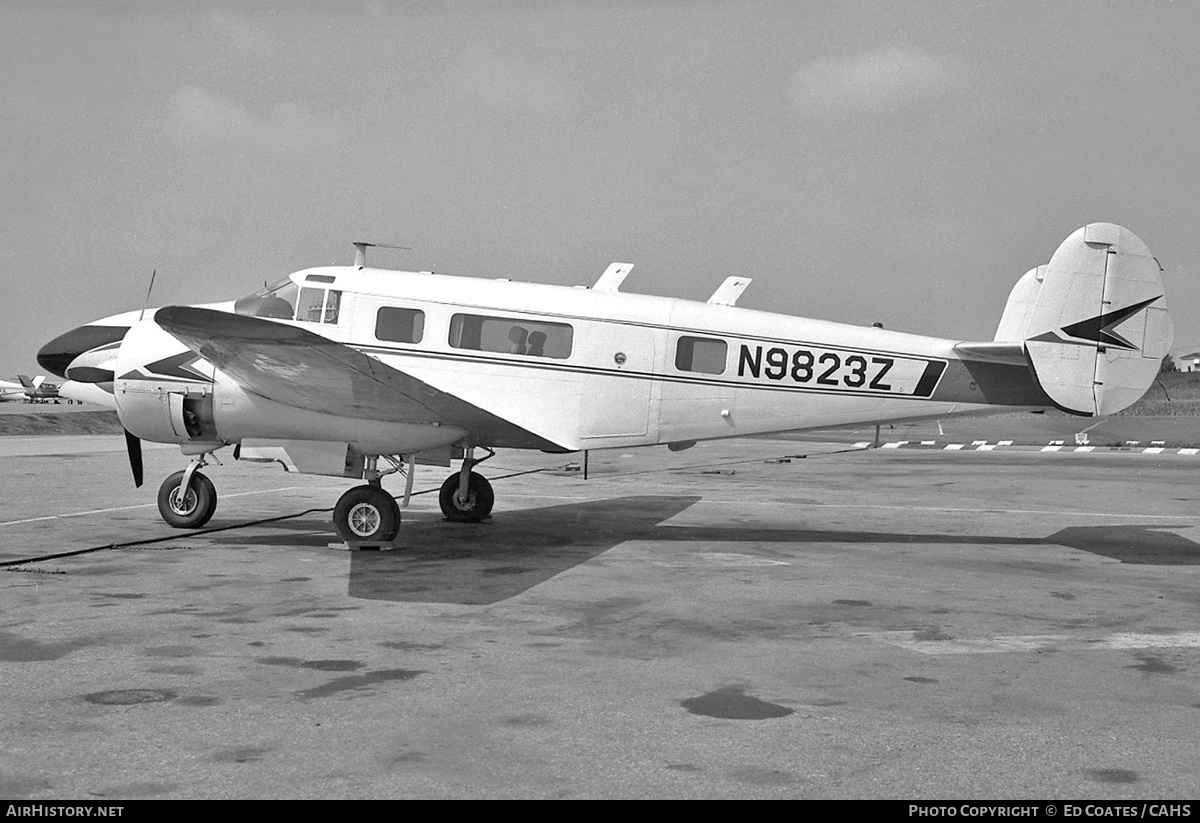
x: 667, y: 378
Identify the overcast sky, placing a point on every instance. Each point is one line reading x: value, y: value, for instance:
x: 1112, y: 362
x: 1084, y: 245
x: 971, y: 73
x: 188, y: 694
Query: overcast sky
x: 900, y: 162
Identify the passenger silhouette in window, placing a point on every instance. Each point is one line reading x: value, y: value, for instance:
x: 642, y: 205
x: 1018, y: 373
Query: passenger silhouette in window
x: 537, y: 344
x: 517, y: 336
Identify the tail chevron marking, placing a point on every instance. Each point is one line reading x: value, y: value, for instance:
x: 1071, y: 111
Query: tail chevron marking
x: 1098, y: 330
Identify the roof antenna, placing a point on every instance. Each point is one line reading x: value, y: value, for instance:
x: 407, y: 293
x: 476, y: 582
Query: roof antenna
x: 147, y: 300
x: 360, y: 251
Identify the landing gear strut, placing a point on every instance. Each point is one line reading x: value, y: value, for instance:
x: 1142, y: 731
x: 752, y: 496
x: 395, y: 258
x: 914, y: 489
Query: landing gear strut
x: 467, y: 497
x: 368, y: 514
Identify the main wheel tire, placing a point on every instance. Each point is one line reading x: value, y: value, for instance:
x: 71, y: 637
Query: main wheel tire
x: 196, y: 507
x: 480, y: 499
x: 366, y: 514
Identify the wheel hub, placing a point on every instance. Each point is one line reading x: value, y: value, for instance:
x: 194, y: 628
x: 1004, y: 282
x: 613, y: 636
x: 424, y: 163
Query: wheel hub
x: 183, y: 505
x: 364, y: 519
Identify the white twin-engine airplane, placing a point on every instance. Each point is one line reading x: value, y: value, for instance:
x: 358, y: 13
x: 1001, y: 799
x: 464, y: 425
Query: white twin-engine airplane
x: 360, y: 372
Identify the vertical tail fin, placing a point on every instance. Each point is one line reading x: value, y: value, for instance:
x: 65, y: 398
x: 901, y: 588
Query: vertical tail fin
x: 1093, y: 320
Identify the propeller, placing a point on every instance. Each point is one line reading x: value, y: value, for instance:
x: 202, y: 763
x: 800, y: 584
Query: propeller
x: 134, y: 446
x: 146, y: 302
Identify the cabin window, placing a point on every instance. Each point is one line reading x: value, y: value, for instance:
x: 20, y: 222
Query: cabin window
x: 333, y: 304
x: 400, y: 325
x: 511, y: 335
x: 318, y: 305
x: 310, y: 305
x: 701, y: 354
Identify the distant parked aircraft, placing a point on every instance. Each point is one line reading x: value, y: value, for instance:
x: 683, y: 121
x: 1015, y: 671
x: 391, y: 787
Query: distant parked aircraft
x: 11, y: 391
x: 37, y: 389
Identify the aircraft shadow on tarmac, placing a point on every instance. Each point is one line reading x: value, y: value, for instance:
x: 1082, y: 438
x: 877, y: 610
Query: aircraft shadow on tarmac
x: 484, y: 563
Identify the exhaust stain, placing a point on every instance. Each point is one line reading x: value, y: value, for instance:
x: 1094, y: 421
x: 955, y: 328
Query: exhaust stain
x: 1113, y: 775
x: 130, y: 697
x: 732, y: 703
x: 319, y: 665
x: 171, y: 651
x: 199, y: 701
x: 406, y: 646
x: 526, y: 720
x: 358, y: 682
x: 852, y: 603
x: 1154, y: 665
x: 506, y: 570
x: 182, y: 670
x: 242, y: 754
x: 405, y: 758
x: 922, y: 680
x: 17, y: 649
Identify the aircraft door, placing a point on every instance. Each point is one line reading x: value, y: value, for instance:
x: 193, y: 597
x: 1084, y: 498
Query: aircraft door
x: 620, y: 397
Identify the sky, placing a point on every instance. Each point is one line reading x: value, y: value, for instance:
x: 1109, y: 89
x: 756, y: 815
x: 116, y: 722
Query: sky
x: 862, y: 161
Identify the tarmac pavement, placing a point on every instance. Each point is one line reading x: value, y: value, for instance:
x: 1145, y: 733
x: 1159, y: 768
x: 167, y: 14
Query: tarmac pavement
x: 746, y: 619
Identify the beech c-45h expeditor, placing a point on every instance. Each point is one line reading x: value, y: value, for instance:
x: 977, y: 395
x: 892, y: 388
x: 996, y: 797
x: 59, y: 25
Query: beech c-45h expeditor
x: 362, y: 372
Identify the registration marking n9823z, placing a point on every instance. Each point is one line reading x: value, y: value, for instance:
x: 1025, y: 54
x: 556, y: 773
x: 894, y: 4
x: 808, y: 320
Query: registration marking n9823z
x: 834, y: 370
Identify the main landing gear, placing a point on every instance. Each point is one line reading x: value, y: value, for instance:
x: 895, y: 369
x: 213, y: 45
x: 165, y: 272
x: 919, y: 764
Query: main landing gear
x: 187, y: 499
x: 364, y: 514
x: 368, y: 514
x: 467, y: 497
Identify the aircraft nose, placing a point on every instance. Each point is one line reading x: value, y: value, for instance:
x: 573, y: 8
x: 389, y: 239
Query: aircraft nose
x: 101, y: 342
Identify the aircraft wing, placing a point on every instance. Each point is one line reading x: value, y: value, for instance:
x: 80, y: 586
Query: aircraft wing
x: 299, y: 368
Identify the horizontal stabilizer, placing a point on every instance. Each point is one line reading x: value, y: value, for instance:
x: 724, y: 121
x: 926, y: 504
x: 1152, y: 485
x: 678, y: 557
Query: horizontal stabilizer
x: 1009, y: 354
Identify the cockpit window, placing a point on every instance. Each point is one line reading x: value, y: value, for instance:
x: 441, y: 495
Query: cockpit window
x: 277, y: 301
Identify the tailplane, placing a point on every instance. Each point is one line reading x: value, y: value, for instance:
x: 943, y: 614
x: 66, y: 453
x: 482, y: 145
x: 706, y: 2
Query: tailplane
x: 1093, y: 321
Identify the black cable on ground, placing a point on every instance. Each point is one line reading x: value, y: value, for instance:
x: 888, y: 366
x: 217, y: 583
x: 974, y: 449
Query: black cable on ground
x: 6, y: 564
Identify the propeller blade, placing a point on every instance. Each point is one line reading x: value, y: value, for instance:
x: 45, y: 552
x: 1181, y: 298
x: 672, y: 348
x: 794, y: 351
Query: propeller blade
x: 153, y: 274
x: 134, y: 446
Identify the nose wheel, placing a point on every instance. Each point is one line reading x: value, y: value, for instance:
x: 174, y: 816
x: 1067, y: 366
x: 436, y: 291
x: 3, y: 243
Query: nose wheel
x: 366, y: 514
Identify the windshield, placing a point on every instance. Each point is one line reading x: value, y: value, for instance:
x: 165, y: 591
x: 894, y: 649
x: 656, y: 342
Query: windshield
x: 278, y: 301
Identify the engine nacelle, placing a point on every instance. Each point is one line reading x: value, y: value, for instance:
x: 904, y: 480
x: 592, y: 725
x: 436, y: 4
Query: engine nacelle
x: 164, y: 391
